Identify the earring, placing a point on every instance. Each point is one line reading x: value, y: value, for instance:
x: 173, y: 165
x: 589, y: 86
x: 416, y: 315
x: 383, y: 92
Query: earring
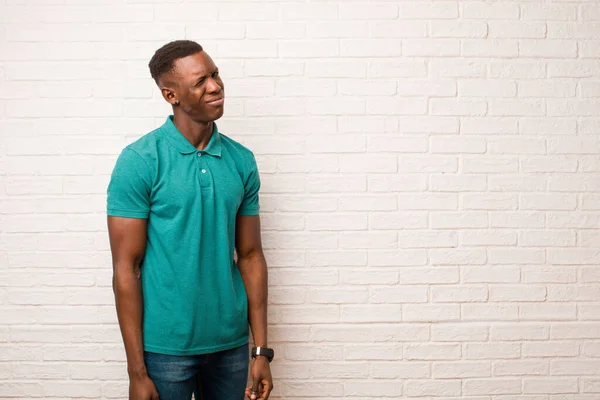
x: 176, y: 102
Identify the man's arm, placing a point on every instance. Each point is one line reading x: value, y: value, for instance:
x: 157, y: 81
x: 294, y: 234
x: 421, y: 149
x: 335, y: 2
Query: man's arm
x: 253, y: 268
x: 128, y: 245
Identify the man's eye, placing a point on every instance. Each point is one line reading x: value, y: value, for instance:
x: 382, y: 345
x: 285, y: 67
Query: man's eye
x: 216, y: 73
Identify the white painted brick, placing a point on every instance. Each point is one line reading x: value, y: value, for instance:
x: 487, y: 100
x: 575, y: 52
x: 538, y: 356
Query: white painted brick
x: 496, y: 48
x: 489, y: 88
x: 462, y: 294
x: 492, y: 386
x: 517, y: 69
x: 332, y: 257
x: 397, y: 69
x: 388, y: 258
x: 484, y: 351
x: 462, y: 369
x: 456, y: 220
x: 547, y: 311
x: 544, y: 88
x: 402, y: 370
x: 457, y: 257
x: 368, y: 240
x: 518, y: 293
x: 549, y: 164
x: 430, y: 313
x: 489, y: 201
x: 396, y: 106
x: 459, y: 332
x: 550, y: 385
x: 309, y: 49
x: 457, y: 183
x: 574, y: 367
x: 490, y: 11
x: 573, y: 219
x: 427, y: 239
x: 425, y: 275
x: 397, y: 220
x: 514, y: 30
x: 452, y: 145
x: 431, y: 47
x: 591, y: 385
x: 550, y: 12
x: 488, y: 238
x: 397, y: 144
x: 368, y: 203
x: 573, y: 293
x: 368, y: 11
x: 408, y: 294
x: 519, y: 332
x: 310, y: 11
x: 457, y: 107
x: 360, y: 389
x: 547, y: 238
x: 489, y: 312
x: 458, y: 29
x: 393, y: 29
x: 377, y: 352
x: 458, y: 68
x: 517, y: 183
x: 432, y: 388
x: 551, y: 126
x: 428, y: 201
x: 550, y: 349
x: 432, y: 351
x: 439, y: 10
x: 548, y: 275
x: 371, y: 313
x: 337, y: 29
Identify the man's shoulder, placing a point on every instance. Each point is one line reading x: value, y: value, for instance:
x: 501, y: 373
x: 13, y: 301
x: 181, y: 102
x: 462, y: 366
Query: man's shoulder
x: 235, y: 148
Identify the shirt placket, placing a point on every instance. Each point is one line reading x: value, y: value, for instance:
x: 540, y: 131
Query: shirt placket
x: 203, y: 170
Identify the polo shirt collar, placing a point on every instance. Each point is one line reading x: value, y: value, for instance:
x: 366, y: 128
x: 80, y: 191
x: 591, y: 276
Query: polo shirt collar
x: 184, y: 146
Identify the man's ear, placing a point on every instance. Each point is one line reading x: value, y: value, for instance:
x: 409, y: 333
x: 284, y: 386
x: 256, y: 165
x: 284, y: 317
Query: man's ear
x: 169, y: 95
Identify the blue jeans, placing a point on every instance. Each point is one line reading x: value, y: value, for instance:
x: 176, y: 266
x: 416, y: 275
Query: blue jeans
x: 216, y: 376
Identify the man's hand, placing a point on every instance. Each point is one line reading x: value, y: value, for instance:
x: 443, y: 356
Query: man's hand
x: 262, y: 382
x: 142, y: 388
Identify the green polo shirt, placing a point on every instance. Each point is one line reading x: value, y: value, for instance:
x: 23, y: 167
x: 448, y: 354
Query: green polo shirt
x: 194, y: 298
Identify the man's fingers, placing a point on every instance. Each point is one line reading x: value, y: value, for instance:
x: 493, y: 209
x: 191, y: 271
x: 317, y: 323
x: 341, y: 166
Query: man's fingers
x: 266, y: 389
x: 254, y: 389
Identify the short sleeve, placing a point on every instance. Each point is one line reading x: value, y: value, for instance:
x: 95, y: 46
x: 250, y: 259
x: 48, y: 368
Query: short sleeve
x: 128, y: 193
x: 250, y: 204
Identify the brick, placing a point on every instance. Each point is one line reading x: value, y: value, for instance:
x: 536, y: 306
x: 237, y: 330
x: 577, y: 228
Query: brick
x: 489, y: 312
x: 483, y: 351
x: 337, y: 29
x: 466, y: 332
x: 427, y: 163
x: 462, y: 369
x: 432, y: 352
x: 401, y: 370
x: 519, y: 332
x: 462, y: 294
x: 550, y: 385
x: 517, y: 293
x: 417, y: 312
x: 550, y: 349
x: 547, y: 311
x: 432, y: 388
x: 492, y: 386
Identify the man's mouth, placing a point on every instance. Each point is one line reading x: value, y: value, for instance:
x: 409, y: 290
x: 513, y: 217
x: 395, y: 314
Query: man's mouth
x: 216, y: 102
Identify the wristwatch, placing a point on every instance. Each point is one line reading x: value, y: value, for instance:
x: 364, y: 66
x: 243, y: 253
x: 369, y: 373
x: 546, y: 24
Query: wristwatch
x: 263, y: 351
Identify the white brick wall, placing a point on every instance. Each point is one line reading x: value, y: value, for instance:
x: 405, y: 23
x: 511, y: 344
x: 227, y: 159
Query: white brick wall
x: 430, y: 201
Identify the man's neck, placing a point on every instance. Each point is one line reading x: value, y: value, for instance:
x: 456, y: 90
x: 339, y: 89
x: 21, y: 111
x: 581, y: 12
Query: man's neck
x: 198, y: 134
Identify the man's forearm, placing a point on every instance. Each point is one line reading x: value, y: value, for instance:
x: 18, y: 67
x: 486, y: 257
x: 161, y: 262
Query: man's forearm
x: 127, y: 288
x: 255, y: 276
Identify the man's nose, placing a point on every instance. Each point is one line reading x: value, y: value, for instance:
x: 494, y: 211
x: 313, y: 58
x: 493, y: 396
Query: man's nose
x: 213, y: 86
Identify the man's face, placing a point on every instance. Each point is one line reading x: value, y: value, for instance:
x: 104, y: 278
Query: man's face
x: 195, y: 83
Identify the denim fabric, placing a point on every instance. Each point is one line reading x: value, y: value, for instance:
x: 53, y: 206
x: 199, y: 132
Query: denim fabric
x: 215, y: 376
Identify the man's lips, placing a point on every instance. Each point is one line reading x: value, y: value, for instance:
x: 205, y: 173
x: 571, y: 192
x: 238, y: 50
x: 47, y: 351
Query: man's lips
x: 216, y: 102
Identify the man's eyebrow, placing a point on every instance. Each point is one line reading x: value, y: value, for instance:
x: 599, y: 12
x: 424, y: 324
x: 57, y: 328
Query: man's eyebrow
x: 199, y: 78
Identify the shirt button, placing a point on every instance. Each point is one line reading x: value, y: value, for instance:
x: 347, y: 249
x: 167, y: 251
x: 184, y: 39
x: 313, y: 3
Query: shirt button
x: 199, y: 154
x: 203, y: 171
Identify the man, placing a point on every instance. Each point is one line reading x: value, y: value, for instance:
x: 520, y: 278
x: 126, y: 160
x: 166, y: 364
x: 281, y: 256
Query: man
x: 181, y: 200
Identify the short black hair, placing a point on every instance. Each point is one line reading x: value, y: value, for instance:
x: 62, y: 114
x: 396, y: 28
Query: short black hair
x: 163, y: 59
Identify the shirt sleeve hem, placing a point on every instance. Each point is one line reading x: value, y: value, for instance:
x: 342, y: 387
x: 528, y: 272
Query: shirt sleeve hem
x: 113, y: 212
